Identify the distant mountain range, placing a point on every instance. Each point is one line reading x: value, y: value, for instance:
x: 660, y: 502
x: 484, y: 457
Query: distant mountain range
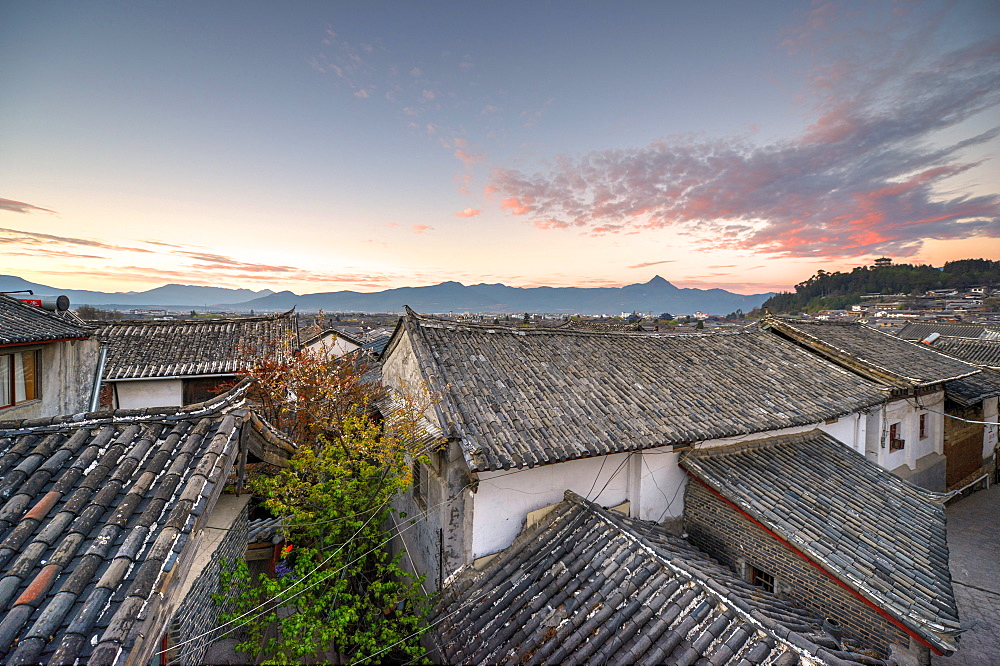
x: 176, y: 295
x: 655, y: 296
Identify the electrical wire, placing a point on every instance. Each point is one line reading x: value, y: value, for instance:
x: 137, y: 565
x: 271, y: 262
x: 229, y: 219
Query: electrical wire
x: 278, y: 596
x: 465, y: 604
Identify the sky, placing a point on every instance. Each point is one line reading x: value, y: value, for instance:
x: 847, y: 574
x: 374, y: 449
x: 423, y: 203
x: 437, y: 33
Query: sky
x: 326, y: 146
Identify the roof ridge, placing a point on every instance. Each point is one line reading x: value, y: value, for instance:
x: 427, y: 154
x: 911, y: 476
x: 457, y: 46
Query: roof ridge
x: 103, y: 323
x: 436, y: 322
x: 849, y: 357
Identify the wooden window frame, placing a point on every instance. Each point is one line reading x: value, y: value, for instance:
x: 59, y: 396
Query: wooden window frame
x: 419, y: 485
x: 10, y: 377
x: 896, y: 443
x: 923, y: 426
x: 760, y: 578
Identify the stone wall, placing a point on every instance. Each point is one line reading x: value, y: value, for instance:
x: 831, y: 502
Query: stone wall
x: 730, y: 537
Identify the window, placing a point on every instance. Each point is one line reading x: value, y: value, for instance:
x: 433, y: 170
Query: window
x: 923, y: 426
x: 419, y: 485
x: 896, y: 442
x: 761, y: 578
x: 19, y: 378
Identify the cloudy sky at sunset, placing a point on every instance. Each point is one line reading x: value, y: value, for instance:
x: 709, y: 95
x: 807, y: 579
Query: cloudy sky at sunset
x: 320, y: 146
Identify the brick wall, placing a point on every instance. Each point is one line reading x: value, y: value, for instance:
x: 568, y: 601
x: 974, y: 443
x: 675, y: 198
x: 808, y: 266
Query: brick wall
x: 198, y: 612
x: 963, y: 444
x: 735, y: 541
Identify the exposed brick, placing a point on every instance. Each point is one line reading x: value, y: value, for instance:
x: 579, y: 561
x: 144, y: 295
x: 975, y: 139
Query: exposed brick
x: 199, y: 612
x: 735, y: 541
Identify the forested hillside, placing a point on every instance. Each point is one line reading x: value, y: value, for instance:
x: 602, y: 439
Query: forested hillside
x: 837, y: 290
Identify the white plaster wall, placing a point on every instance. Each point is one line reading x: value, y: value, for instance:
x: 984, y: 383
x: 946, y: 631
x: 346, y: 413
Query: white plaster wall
x: 990, y: 409
x: 661, y: 485
x: 504, y: 498
x: 849, y: 429
x: 151, y: 393
x: 337, y: 347
x: 907, y: 413
x: 67, y: 376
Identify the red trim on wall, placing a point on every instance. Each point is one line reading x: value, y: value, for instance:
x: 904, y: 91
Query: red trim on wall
x: 819, y: 567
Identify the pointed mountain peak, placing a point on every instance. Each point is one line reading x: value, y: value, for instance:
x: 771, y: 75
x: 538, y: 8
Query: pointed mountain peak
x: 658, y: 281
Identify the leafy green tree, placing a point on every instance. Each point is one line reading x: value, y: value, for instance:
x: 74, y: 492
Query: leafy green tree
x: 339, y: 595
x: 836, y: 290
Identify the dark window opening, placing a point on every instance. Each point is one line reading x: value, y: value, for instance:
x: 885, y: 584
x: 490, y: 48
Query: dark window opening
x: 762, y: 579
x: 200, y: 390
x: 896, y: 442
x: 923, y: 426
x: 419, y: 485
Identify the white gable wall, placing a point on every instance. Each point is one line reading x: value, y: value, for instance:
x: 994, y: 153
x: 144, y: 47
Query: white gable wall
x: 335, y: 345
x: 505, y: 498
x: 149, y: 393
x: 990, y: 408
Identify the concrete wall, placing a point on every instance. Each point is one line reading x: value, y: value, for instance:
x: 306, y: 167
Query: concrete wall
x: 149, y: 393
x: 67, y: 375
x: 400, y: 370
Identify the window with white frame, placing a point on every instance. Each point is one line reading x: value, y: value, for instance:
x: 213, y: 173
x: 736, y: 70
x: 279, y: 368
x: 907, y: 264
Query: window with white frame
x: 19, y: 377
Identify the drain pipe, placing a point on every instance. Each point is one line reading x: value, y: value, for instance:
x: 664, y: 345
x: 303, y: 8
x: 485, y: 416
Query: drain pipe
x: 95, y: 390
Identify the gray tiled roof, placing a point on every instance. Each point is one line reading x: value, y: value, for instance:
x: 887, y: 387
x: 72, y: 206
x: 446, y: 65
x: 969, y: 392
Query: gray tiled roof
x: 95, y: 510
x: 22, y: 323
x: 882, y: 536
x: 872, y: 353
x: 140, y: 349
x: 587, y: 585
x: 377, y: 345
x: 918, y: 330
x: 526, y: 397
x: 973, y: 389
x: 978, y: 351
x: 313, y: 334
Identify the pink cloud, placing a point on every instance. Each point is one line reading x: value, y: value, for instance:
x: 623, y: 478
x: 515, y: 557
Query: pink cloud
x: 467, y: 159
x: 420, y: 228
x: 33, y: 238
x: 549, y: 224
x: 647, y: 264
x: 468, y: 212
x: 865, y: 178
x: 21, y: 207
x: 515, y: 205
